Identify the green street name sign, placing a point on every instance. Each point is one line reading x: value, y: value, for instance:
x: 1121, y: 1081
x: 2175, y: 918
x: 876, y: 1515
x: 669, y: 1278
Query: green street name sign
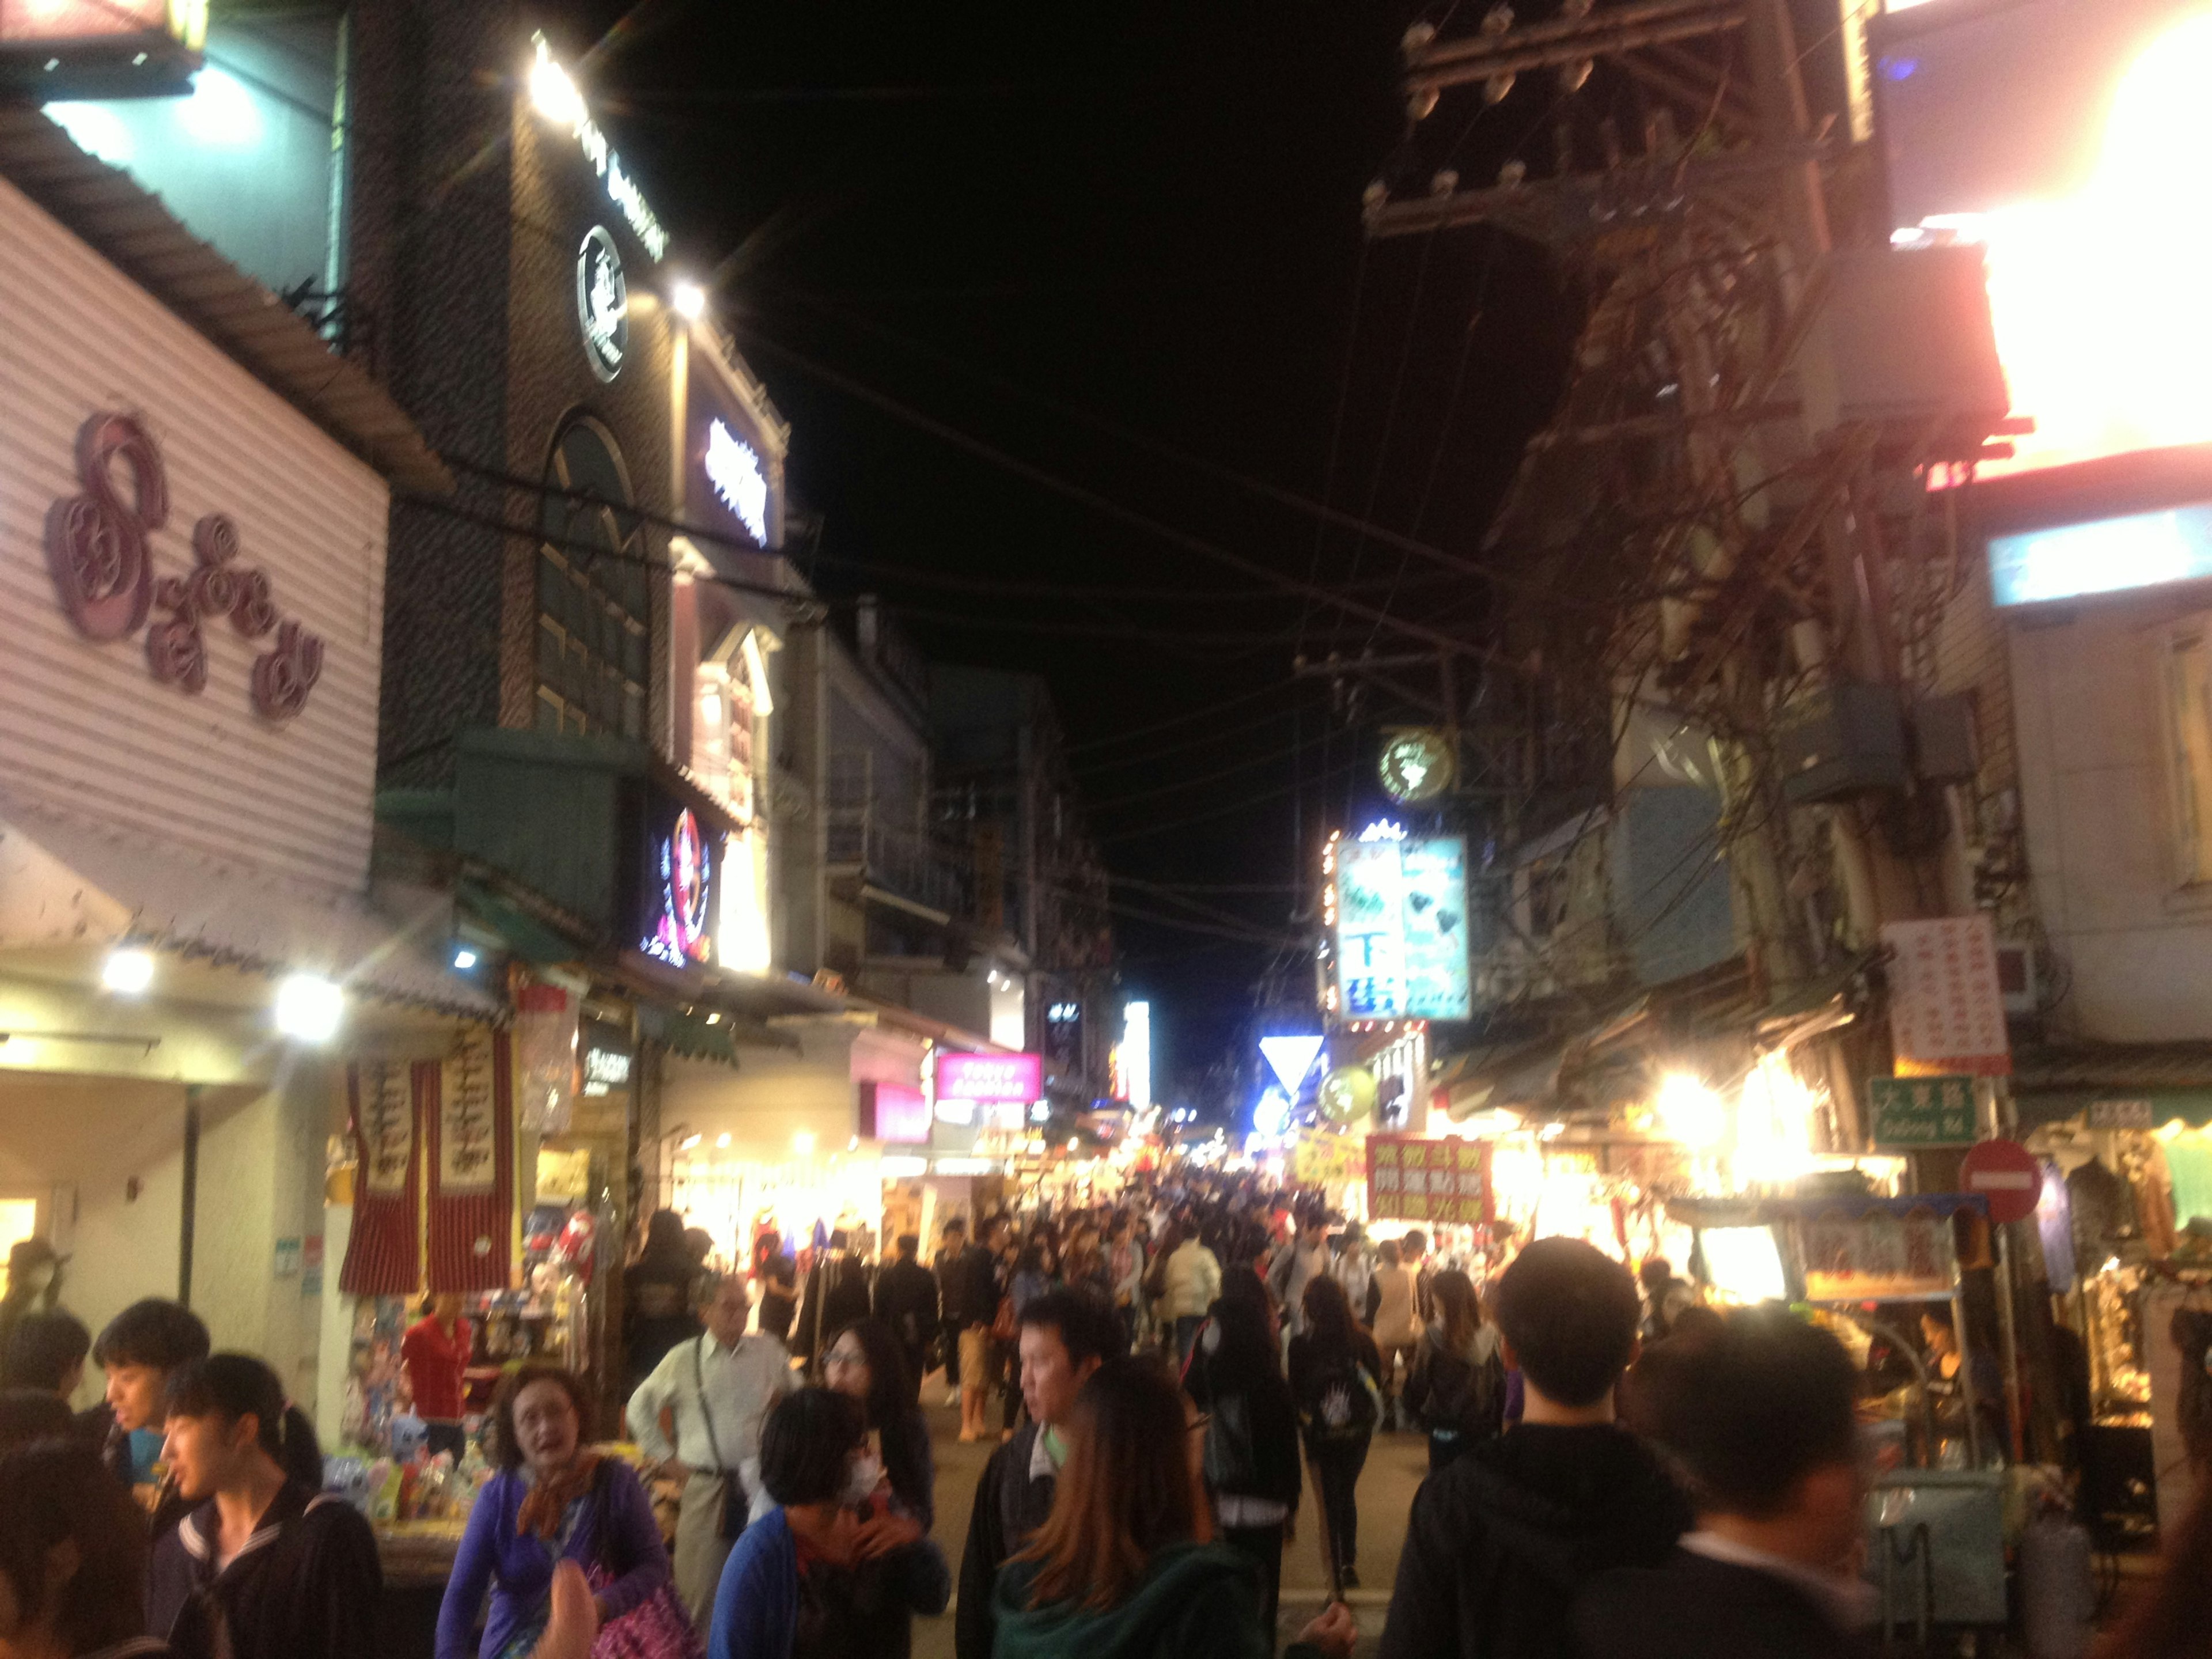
x: 1921, y: 1111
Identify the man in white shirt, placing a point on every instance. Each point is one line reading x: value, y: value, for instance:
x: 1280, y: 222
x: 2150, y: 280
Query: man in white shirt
x: 717, y: 1389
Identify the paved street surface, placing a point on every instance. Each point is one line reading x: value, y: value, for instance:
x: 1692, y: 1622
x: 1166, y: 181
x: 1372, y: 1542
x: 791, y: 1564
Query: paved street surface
x: 1387, y: 1486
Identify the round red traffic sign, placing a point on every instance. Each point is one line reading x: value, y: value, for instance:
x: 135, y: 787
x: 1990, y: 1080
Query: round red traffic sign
x: 2006, y: 1174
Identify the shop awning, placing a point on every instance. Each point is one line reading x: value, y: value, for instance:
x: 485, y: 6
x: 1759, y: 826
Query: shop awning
x: 66, y: 881
x: 2053, y: 1083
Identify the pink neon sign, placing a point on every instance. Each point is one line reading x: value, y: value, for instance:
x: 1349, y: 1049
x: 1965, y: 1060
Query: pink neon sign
x: 995, y: 1080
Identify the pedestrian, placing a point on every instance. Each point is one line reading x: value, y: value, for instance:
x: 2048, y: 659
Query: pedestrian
x: 46, y: 1350
x: 1355, y: 1266
x: 1082, y: 1265
x: 35, y: 1284
x: 1121, y: 1568
x: 659, y: 1296
x: 1761, y: 1419
x: 553, y: 1499
x: 952, y: 1243
x: 865, y: 1363
x: 715, y: 1391
x: 1125, y: 1271
x: 976, y: 1279
x: 1413, y: 1251
x: 1299, y: 1260
x: 1030, y: 1278
x: 779, y: 1301
x: 1951, y: 1376
x: 72, y: 1559
x: 1456, y: 1387
x: 1189, y: 1283
x: 818, y: 1577
x: 1063, y: 1339
x: 1251, y: 1461
x: 1334, y: 1373
x: 1397, y: 1324
x: 138, y: 1351
x: 434, y: 1355
x: 266, y: 1566
x: 1500, y: 1541
x: 906, y: 1301
x: 1665, y: 1296
x: 29, y: 1415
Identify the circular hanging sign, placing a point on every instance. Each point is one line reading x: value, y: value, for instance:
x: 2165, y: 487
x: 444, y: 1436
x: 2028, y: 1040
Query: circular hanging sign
x: 2006, y: 1174
x: 1347, y: 1093
x: 602, y: 303
x: 1416, y: 766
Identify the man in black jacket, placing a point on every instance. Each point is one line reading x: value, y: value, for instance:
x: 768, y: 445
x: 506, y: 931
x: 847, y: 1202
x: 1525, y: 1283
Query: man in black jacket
x: 1500, y: 1540
x: 137, y: 1351
x: 906, y: 1300
x: 1760, y: 1415
x: 1064, y: 1336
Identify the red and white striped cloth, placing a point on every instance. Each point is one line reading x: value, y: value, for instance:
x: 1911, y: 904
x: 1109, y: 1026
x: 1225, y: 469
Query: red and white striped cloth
x: 384, y: 1254
x: 468, y: 1111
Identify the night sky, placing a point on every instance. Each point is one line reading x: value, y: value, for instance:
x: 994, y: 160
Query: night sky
x: 1118, y: 246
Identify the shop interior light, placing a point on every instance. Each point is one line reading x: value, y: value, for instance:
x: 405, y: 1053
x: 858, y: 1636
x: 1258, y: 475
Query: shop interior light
x: 722, y: 1141
x: 463, y: 958
x: 1691, y: 1112
x: 128, y: 973
x: 803, y: 1142
x: 689, y: 301
x: 309, y: 1008
x: 689, y: 1142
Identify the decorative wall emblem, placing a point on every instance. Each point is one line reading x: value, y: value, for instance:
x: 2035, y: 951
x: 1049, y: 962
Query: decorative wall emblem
x: 602, y: 303
x: 99, y: 549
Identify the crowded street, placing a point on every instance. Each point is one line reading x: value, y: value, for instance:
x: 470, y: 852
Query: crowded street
x: 1224, y: 829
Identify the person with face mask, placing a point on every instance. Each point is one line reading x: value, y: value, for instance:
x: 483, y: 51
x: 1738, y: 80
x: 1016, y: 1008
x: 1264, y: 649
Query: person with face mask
x: 809, y: 1580
x: 264, y: 1567
x: 553, y: 1499
x: 865, y: 1363
x: 137, y: 1351
x: 72, y: 1559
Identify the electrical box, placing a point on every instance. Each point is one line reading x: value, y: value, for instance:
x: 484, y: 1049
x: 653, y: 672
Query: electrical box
x: 1943, y: 740
x: 1903, y: 336
x: 1840, y: 740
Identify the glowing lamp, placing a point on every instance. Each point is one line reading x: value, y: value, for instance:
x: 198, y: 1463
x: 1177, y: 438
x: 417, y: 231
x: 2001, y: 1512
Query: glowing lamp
x: 309, y: 1008
x: 1691, y: 1112
x: 128, y: 973
x: 689, y: 301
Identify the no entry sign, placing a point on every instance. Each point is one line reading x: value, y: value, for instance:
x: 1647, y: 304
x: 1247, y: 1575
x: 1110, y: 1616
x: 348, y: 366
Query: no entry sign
x: 2006, y: 1174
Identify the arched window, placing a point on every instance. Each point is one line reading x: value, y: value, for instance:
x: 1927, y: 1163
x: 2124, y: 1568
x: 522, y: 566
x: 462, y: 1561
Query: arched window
x: 594, y: 590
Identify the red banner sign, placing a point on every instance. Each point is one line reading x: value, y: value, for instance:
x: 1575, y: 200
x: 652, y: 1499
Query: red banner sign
x: 384, y: 1254
x: 468, y: 1103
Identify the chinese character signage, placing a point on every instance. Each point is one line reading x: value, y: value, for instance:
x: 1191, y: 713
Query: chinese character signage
x: 1946, y: 1013
x: 998, y: 1079
x: 1879, y: 1256
x: 1412, y: 1178
x: 1400, y: 908
x: 1920, y: 1111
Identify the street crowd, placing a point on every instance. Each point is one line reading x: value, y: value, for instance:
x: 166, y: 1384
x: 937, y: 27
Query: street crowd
x: 1613, y: 1470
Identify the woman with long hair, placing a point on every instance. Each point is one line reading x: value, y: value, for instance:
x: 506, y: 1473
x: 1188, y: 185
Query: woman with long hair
x: 659, y: 1297
x: 1121, y: 1568
x: 265, y: 1566
x: 553, y: 1499
x: 866, y: 1364
x: 72, y: 1559
x: 1251, y: 1440
x: 1336, y: 1380
x: 1457, y: 1385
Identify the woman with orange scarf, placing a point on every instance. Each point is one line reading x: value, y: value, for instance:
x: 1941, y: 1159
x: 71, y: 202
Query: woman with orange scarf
x: 553, y: 1499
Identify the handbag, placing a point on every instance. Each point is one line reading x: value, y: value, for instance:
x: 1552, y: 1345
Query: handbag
x: 1004, y: 1327
x: 658, y: 1627
x: 736, y: 1508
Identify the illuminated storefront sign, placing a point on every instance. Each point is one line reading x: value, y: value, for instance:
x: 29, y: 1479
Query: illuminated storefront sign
x: 990, y: 1078
x: 557, y: 99
x: 1399, y: 905
x: 894, y: 1112
x: 733, y: 468
x: 2105, y: 556
x: 732, y: 474
x: 679, y: 886
x: 606, y: 1070
x: 1135, y: 1079
x: 602, y: 303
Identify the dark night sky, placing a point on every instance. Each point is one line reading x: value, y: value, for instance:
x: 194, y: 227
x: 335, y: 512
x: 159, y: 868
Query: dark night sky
x: 1111, y: 241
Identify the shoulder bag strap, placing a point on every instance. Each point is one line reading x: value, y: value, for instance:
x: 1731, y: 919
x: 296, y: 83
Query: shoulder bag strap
x: 706, y: 1415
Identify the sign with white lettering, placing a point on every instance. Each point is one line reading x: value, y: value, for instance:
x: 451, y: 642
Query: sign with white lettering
x: 993, y: 1078
x: 602, y: 303
x: 733, y: 470
x: 557, y: 97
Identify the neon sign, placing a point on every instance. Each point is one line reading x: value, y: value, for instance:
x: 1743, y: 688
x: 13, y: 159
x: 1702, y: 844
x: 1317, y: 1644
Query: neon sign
x: 734, y: 470
x: 557, y: 97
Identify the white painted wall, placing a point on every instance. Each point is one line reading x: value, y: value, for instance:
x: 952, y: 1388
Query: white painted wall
x: 85, y: 724
x: 2096, y: 803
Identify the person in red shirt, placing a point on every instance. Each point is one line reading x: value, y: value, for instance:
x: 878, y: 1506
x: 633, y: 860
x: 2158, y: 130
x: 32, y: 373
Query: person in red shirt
x: 434, y: 1353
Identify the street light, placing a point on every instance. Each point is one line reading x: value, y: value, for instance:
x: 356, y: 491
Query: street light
x: 689, y: 301
x: 553, y: 92
x: 309, y: 1008
x: 128, y: 973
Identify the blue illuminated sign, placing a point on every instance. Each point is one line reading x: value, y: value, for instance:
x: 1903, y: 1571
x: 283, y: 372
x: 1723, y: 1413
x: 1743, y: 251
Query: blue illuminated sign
x: 2105, y: 556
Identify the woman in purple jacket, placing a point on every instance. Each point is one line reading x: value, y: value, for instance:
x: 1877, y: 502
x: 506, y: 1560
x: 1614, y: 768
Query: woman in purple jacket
x: 553, y: 1499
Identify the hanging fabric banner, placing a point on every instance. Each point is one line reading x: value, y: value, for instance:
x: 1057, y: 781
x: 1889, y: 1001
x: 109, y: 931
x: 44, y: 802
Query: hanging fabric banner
x: 469, y: 1107
x: 384, y: 1254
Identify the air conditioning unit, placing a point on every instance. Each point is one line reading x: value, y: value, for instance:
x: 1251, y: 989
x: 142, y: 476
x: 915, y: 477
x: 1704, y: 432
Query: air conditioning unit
x: 2016, y: 979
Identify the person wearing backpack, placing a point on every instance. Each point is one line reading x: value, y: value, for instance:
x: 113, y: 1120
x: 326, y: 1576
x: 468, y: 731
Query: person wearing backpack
x: 1251, y: 1446
x: 1457, y: 1387
x: 1335, y: 1379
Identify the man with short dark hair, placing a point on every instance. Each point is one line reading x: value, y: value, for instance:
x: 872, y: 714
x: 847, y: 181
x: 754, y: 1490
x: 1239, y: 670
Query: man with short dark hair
x: 973, y: 1289
x: 47, y: 1351
x: 138, y: 1349
x: 1064, y: 1336
x: 952, y: 1240
x: 1499, y: 1542
x: 906, y: 1300
x: 1760, y: 1414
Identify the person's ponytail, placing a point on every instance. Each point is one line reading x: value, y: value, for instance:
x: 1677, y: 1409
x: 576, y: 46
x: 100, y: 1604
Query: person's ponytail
x: 235, y: 1385
x: 299, y: 1453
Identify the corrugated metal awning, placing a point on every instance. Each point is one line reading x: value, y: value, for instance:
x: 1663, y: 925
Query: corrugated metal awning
x: 128, y: 226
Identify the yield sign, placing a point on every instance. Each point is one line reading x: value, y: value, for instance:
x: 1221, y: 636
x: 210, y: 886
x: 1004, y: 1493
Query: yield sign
x: 1289, y: 1058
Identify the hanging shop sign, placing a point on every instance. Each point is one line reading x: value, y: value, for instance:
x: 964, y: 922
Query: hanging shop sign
x: 1323, y: 1158
x: 1412, y: 1178
x: 895, y: 1112
x: 602, y: 303
x: 1947, y: 1010
x: 1399, y: 904
x: 680, y: 879
x: 100, y: 551
x: 995, y: 1080
x: 731, y: 475
x: 1920, y: 1111
x: 1063, y: 1036
x: 1416, y: 766
x: 1347, y: 1093
x: 1892, y: 1252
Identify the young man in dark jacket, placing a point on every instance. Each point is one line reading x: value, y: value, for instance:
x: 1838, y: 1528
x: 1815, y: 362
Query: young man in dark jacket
x: 1499, y: 1542
x: 1065, y: 1335
x: 137, y: 1351
x: 1760, y: 1415
x: 906, y: 1300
